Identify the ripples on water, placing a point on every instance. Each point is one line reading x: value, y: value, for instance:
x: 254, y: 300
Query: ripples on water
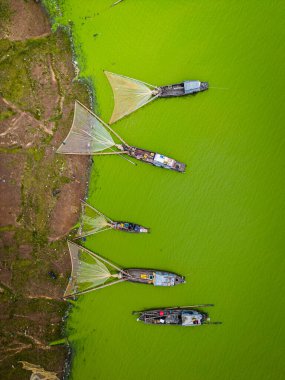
x: 222, y: 223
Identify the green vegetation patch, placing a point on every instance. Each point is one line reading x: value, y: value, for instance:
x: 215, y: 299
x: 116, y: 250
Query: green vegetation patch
x: 36, y: 78
x: 5, y: 12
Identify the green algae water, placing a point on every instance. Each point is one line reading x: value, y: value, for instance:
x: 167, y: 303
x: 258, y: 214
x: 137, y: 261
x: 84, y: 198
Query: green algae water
x: 221, y: 224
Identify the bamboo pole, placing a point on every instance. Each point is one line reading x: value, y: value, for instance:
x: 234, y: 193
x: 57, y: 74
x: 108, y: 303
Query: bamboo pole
x: 99, y: 212
x: 203, y: 305
x: 100, y: 258
x: 92, y: 233
x: 97, y: 288
x: 117, y: 2
x: 101, y: 121
x: 136, y: 80
x: 95, y: 154
x: 106, y: 153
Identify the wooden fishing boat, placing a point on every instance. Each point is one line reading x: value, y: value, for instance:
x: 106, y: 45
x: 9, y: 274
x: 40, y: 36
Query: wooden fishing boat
x: 155, y: 159
x: 182, y: 316
x: 89, y: 135
x: 189, y: 87
x: 93, y: 221
x: 91, y: 272
x: 131, y: 94
x: 129, y: 227
x: 153, y: 277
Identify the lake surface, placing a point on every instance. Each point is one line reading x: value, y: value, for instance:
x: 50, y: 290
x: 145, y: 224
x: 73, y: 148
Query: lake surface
x: 222, y: 223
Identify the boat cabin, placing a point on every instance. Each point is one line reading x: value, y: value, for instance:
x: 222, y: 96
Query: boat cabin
x: 191, y: 318
x: 168, y: 163
x: 164, y: 279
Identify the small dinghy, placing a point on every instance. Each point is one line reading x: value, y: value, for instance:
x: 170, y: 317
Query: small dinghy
x: 89, y: 135
x: 91, y: 272
x: 92, y: 221
x: 182, y: 316
x: 131, y: 94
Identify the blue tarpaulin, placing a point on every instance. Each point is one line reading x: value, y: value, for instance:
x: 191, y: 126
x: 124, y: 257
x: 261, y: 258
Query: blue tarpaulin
x: 191, y: 86
x: 163, y: 279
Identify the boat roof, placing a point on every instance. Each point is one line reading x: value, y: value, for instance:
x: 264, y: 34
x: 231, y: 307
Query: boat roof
x: 164, y: 279
x: 190, y: 85
x: 163, y: 159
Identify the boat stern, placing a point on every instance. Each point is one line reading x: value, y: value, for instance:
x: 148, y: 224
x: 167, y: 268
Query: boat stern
x: 168, y: 163
x: 179, y: 167
x: 204, y: 86
x: 179, y: 280
x: 144, y: 230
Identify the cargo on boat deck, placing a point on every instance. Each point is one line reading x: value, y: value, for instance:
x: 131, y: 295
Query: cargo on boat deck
x: 184, y: 316
x: 154, y: 277
x: 130, y: 227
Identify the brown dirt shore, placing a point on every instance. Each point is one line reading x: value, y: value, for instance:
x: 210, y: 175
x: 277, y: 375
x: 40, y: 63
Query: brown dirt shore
x: 40, y: 190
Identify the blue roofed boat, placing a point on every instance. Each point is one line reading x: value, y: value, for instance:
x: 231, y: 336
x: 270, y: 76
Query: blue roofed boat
x: 188, y: 87
x: 154, y: 277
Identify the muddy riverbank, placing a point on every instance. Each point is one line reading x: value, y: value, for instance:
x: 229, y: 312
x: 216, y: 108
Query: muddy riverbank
x: 40, y: 190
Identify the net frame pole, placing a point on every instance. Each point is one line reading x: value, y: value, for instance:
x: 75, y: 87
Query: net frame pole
x: 106, y: 153
x: 99, y: 212
x: 93, y: 289
x: 99, y: 258
x: 105, y: 124
x: 92, y: 233
x: 96, y: 154
x: 137, y: 80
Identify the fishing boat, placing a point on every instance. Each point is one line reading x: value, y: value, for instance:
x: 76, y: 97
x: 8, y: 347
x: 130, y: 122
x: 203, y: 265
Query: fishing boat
x: 155, y: 159
x: 131, y: 94
x: 154, y: 277
x: 181, y: 316
x: 91, y: 272
x: 92, y: 221
x: 130, y: 227
x: 188, y: 87
x: 89, y: 135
